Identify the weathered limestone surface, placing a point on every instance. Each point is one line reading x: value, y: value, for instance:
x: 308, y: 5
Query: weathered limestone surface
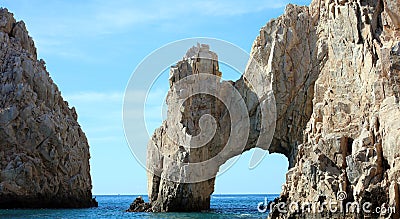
x: 334, y: 69
x: 209, y: 121
x: 351, y: 143
x: 293, y: 94
x: 44, y: 154
x: 290, y: 54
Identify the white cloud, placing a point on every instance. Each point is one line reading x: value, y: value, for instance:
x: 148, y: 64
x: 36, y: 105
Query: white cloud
x: 232, y: 8
x: 125, y: 14
x: 93, y: 96
x: 108, y: 139
x: 109, y: 105
x: 57, y: 26
x: 93, y: 18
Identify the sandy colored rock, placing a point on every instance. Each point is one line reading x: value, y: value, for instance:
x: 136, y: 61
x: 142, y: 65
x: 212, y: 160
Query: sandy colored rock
x: 170, y: 152
x: 334, y: 71
x: 350, y: 143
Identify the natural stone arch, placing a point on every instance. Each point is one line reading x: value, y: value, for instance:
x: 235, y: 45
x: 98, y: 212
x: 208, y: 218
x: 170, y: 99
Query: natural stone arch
x: 170, y: 153
x: 336, y: 91
x: 185, y: 153
x: 241, y: 178
x: 283, y: 61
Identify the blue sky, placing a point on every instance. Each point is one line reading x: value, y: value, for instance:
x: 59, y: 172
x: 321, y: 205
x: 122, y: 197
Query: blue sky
x: 91, y: 49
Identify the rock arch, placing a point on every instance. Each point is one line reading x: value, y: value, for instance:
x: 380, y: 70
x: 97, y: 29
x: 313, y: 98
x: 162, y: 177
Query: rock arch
x: 291, y: 80
x: 336, y: 89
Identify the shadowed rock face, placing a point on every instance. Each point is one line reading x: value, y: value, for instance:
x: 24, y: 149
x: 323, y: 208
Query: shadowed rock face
x: 334, y: 70
x: 44, y: 154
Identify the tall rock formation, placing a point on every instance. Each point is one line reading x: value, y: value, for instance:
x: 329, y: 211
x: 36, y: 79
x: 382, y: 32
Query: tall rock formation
x: 44, y: 154
x: 209, y: 121
x: 334, y: 69
x: 168, y: 154
x: 348, y: 151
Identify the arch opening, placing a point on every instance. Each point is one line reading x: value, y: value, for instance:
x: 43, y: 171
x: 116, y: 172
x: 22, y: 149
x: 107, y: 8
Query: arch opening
x: 266, y: 178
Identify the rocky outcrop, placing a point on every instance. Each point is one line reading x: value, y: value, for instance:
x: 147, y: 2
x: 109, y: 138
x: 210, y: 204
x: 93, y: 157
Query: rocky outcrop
x: 175, y: 183
x: 44, y: 154
x: 290, y: 53
x: 334, y: 70
x: 209, y: 121
x: 168, y: 154
x: 138, y: 205
x: 348, y: 153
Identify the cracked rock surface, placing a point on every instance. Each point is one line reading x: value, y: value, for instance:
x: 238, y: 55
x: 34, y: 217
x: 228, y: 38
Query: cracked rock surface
x: 334, y: 69
x: 44, y: 154
x: 350, y: 144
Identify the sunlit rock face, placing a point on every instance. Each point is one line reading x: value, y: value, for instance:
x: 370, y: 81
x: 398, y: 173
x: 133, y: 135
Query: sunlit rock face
x: 193, y: 117
x: 351, y: 142
x: 277, y: 98
x: 44, y: 154
x: 210, y: 121
x: 279, y: 128
x: 334, y: 71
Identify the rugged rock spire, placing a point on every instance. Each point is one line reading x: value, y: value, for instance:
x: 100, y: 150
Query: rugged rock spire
x: 167, y: 189
x: 44, y: 154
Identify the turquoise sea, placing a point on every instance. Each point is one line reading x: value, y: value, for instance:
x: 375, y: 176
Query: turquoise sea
x: 114, y: 206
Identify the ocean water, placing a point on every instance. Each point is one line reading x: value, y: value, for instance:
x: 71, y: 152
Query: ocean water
x: 114, y: 206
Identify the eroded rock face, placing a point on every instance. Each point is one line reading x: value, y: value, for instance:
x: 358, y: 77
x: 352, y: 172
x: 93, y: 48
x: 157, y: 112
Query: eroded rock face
x: 334, y: 70
x: 168, y: 190
x: 44, y: 154
x: 138, y: 205
x: 290, y: 54
x: 167, y: 155
x: 209, y: 121
x: 350, y: 144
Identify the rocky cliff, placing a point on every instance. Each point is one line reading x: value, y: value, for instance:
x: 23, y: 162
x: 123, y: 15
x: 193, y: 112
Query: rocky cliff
x: 334, y: 70
x: 348, y: 151
x: 44, y: 154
